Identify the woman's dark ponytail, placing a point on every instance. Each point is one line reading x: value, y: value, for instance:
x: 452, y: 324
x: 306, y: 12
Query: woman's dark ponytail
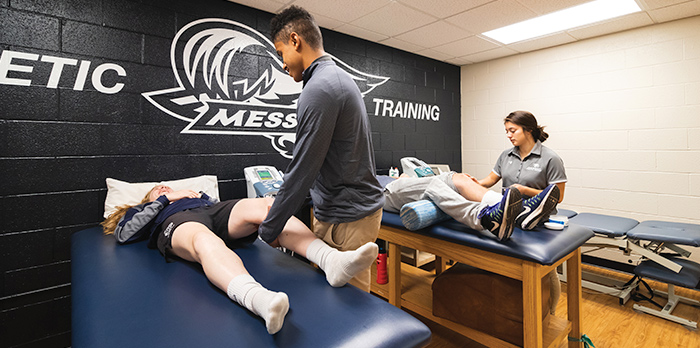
x: 529, y: 123
x: 542, y: 135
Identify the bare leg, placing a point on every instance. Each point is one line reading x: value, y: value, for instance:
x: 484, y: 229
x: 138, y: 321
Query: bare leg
x: 248, y: 214
x: 468, y: 188
x: 194, y: 242
x: 472, y: 191
x: 555, y: 292
x: 339, y: 266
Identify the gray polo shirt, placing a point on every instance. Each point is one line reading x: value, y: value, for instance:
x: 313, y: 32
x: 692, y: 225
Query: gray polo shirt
x: 539, y: 169
x: 333, y: 154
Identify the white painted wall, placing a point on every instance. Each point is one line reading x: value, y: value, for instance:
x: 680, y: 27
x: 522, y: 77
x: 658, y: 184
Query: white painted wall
x: 622, y: 110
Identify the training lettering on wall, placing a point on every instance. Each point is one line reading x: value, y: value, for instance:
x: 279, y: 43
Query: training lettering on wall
x: 16, y: 69
x: 208, y: 95
x: 405, y: 109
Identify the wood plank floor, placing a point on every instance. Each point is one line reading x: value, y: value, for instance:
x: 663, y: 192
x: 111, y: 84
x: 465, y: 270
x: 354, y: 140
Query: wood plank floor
x: 607, y: 323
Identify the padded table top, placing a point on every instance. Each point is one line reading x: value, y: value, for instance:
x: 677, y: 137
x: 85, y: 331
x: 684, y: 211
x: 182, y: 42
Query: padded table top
x: 128, y: 296
x: 540, y: 245
x: 688, y: 277
x: 566, y: 212
x: 611, y: 226
x: 668, y: 232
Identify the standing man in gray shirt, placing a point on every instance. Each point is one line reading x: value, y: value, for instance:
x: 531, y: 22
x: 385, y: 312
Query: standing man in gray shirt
x: 333, y: 155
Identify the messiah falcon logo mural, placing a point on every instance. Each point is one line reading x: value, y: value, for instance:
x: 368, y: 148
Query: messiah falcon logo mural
x: 231, y: 81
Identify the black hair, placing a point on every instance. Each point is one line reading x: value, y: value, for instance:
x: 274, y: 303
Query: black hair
x: 529, y: 123
x: 296, y: 19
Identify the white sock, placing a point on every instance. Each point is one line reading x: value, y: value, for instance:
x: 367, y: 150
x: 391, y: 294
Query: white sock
x: 490, y: 198
x: 269, y: 305
x: 341, y: 266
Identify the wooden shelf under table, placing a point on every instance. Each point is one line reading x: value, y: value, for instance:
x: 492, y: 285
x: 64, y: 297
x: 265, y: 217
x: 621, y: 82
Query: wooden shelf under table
x: 415, y: 292
x: 416, y: 296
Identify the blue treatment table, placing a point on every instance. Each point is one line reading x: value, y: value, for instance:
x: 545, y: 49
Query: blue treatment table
x: 128, y: 296
x: 528, y: 256
x: 675, y: 270
x: 566, y: 212
x: 605, y: 225
x: 648, y: 239
x: 610, y: 233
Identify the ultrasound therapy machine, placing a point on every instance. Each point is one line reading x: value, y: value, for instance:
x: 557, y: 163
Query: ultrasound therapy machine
x: 263, y: 181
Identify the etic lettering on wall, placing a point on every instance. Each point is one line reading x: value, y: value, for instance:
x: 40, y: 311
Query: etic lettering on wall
x: 16, y: 69
x: 203, y: 54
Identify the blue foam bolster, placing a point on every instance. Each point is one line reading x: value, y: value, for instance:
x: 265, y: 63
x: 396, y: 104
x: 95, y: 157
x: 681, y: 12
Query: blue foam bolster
x: 421, y: 214
x: 128, y: 296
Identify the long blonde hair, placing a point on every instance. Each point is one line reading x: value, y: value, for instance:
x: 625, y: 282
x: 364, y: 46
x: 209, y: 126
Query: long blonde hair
x: 111, y: 222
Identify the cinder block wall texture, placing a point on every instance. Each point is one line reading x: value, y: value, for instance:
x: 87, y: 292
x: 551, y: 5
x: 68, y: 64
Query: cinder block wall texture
x: 622, y: 110
x: 73, y: 74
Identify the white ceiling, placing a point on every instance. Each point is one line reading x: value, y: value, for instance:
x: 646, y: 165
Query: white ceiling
x: 450, y: 30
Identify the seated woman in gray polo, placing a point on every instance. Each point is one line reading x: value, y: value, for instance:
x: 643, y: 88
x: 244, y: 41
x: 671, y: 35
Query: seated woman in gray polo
x: 528, y: 166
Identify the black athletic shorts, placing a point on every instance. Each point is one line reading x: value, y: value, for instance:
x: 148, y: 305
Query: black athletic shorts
x: 214, y: 217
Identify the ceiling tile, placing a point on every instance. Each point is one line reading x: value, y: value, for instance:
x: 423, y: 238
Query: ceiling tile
x: 434, y: 34
x: 547, y: 6
x: 326, y: 22
x: 402, y: 45
x: 271, y: 6
x: 491, y: 16
x: 470, y: 45
x: 361, y: 33
x: 542, y: 42
x: 459, y: 61
x: 443, y: 8
x: 451, y: 28
x: 670, y: 13
x: 630, y: 21
x: 491, y: 54
x: 435, y: 54
x: 394, y: 19
x: 345, y: 11
x: 654, y: 4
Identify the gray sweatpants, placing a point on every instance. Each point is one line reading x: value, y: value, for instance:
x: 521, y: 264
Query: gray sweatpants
x: 441, y: 190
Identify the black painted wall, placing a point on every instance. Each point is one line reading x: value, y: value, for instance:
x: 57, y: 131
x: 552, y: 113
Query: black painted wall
x: 59, y: 144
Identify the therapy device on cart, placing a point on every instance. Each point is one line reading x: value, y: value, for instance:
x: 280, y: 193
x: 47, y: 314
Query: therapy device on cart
x: 263, y: 181
x: 415, y: 167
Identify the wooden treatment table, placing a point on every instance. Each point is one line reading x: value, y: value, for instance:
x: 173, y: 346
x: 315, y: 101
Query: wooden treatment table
x: 527, y: 256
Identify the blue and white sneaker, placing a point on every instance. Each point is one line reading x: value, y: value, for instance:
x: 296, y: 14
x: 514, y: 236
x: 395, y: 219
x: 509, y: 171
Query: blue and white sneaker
x: 500, y: 218
x: 538, y: 207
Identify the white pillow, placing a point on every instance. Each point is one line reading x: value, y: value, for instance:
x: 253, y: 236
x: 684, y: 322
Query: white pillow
x: 125, y: 193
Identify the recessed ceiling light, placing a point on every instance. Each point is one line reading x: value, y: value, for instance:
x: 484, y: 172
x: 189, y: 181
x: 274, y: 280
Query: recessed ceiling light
x: 591, y: 12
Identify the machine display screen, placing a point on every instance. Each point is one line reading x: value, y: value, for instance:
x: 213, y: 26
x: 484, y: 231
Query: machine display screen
x: 264, y: 175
